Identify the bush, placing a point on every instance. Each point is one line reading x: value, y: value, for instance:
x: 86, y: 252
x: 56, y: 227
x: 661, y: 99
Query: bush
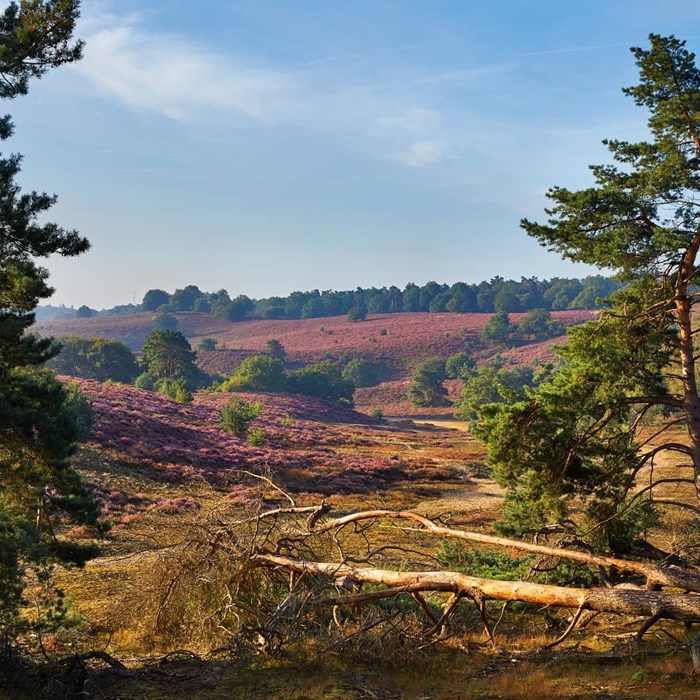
x: 144, y: 381
x: 357, y: 313
x: 257, y: 373
x: 207, y: 344
x: 82, y: 410
x: 362, y: 373
x: 538, y: 324
x: 237, y: 415
x: 323, y: 380
x: 176, y: 389
x: 256, y: 437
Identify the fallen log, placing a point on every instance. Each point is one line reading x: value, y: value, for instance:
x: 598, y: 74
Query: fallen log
x: 655, y: 575
x: 621, y: 601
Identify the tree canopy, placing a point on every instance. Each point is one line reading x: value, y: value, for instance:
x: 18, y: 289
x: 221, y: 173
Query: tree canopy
x: 168, y: 356
x: 95, y: 358
x: 427, y: 387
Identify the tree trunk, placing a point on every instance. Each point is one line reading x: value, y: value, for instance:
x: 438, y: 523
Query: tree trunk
x: 691, y: 401
x: 654, y: 575
x: 642, y: 603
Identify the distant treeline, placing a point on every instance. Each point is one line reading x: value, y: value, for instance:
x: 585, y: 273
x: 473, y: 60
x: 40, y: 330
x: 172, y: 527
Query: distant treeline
x: 486, y: 297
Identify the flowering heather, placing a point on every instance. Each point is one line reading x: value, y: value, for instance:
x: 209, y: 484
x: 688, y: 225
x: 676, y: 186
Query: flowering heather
x: 392, y: 398
x: 399, y: 341
x: 310, y: 445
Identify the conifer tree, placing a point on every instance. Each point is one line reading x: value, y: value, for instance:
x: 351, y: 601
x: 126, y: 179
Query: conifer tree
x: 38, y: 421
x: 575, y: 435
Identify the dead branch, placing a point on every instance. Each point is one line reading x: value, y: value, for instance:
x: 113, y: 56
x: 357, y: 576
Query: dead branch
x: 654, y: 574
x: 567, y: 631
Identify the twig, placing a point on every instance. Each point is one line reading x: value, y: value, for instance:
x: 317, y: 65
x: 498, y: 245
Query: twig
x: 568, y: 630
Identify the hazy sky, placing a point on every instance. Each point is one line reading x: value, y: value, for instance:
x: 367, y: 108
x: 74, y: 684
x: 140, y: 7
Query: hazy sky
x: 265, y: 146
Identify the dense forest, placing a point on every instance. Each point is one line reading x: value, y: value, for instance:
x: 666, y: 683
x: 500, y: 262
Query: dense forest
x: 498, y: 294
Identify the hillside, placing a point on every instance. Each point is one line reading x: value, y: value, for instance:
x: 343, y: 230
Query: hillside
x: 395, y: 342
x: 398, y: 340
x: 163, y: 450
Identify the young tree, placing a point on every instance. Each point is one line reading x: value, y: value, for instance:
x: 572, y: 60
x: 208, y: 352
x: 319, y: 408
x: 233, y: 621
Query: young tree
x: 498, y: 329
x: 275, y: 349
x: 357, y: 313
x: 575, y: 434
x: 237, y: 415
x: 169, y: 357
x: 538, y: 324
x: 427, y: 388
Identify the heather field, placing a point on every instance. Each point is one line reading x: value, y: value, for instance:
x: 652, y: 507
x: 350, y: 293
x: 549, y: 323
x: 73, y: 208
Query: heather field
x: 308, y: 446
x: 398, y: 341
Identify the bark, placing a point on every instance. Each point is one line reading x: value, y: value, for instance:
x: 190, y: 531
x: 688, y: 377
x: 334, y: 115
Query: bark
x: 641, y: 603
x: 683, y: 309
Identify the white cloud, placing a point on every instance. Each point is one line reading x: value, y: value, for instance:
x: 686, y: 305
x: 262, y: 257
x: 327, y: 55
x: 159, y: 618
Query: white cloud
x: 164, y: 73
x: 167, y: 74
x: 413, y: 121
x: 422, y: 154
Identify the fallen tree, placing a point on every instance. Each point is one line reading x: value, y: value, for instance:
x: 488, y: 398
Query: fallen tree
x: 275, y: 569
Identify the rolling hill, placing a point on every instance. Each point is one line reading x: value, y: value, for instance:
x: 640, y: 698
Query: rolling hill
x: 396, y: 342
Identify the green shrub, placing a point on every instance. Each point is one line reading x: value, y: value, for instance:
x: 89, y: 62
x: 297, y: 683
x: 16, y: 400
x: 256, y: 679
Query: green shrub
x: 237, y: 415
x: 82, y: 409
x: 144, y: 381
x: 257, y: 373
x: 256, y: 437
x: 362, y: 373
x: 176, y: 389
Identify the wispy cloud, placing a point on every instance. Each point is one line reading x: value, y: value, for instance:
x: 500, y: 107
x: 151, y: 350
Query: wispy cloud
x: 414, y: 120
x: 360, y: 55
x: 163, y: 73
x: 574, y: 49
x: 466, y: 75
x: 421, y: 154
x: 170, y: 75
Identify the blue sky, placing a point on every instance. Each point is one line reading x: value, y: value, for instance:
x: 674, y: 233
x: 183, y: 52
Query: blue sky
x: 267, y: 146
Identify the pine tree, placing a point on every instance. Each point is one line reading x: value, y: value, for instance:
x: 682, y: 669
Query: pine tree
x: 38, y: 421
x: 575, y: 435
